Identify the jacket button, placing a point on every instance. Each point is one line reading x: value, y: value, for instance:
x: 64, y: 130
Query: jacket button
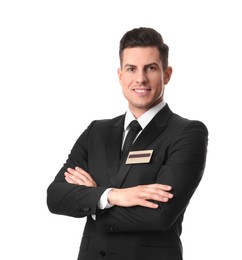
x: 86, y: 210
x: 106, y: 228
x: 102, y: 253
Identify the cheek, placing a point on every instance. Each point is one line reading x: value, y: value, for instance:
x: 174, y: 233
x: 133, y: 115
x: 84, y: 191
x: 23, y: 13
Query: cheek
x: 124, y: 86
x: 126, y: 82
x: 159, y: 84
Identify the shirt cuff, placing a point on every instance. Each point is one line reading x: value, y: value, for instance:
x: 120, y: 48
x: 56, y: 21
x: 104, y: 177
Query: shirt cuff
x: 103, y: 201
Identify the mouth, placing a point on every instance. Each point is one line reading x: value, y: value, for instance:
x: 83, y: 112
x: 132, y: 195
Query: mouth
x: 141, y: 91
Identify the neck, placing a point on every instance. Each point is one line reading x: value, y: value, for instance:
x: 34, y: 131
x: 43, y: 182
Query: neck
x: 139, y: 111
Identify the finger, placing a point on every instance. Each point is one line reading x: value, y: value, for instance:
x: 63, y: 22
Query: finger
x: 69, y: 178
x: 72, y: 178
x: 77, y: 180
x: 77, y: 174
x: 148, y: 204
x: 86, y: 174
x: 80, y: 178
x: 81, y: 174
x: 166, y: 195
x: 156, y: 195
x: 159, y: 190
x: 73, y: 175
x: 160, y: 186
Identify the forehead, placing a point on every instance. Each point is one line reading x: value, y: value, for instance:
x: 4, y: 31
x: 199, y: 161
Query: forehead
x: 141, y: 56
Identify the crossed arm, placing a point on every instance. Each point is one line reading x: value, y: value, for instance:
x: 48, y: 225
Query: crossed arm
x: 141, y: 195
x: 181, y: 172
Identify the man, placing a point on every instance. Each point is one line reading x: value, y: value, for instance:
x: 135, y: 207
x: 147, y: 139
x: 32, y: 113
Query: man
x: 134, y: 197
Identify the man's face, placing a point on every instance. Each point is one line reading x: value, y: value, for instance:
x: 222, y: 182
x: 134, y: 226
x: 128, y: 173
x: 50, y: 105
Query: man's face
x: 142, y: 78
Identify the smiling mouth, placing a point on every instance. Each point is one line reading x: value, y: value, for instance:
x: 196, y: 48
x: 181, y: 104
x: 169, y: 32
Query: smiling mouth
x: 142, y: 90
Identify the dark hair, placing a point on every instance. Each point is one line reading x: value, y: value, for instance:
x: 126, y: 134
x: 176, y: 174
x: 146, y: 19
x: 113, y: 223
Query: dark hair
x: 144, y: 37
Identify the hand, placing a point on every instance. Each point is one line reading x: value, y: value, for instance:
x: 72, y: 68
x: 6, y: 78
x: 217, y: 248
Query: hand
x: 140, y: 195
x: 80, y: 177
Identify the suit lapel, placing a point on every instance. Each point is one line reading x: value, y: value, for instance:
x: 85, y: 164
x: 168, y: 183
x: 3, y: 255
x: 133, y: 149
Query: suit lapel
x: 113, y: 148
x: 155, y: 127
x: 151, y: 132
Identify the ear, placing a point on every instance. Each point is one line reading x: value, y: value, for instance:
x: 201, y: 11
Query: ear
x: 119, y: 75
x: 167, y: 75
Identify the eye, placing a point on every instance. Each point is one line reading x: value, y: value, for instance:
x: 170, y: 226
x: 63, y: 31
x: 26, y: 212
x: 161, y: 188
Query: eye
x: 151, y: 68
x: 130, y: 69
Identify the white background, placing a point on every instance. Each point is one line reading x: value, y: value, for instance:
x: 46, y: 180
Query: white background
x: 58, y: 64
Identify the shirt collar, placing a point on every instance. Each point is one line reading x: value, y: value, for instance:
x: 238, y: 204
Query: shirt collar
x: 145, y: 118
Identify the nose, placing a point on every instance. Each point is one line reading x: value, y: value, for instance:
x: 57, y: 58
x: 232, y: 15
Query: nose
x: 141, y: 77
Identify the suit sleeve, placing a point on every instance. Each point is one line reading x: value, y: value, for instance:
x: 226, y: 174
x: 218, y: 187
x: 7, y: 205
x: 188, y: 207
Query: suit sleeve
x: 182, y: 170
x: 69, y: 199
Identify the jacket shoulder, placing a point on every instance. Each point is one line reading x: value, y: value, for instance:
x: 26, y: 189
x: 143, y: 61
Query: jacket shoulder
x: 180, y: 122
x: 103, y: 124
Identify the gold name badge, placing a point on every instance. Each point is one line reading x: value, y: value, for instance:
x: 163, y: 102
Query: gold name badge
x: 139, y: 157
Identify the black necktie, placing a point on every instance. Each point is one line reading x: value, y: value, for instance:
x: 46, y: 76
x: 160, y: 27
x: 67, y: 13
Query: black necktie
x: 133, y: 131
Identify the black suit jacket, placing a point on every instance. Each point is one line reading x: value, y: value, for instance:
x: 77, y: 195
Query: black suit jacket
x: 179, y: 152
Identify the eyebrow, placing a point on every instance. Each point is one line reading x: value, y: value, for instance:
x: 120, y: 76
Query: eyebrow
x: 147, y: 65
x: 129, y: 65
x: 152, y: 64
